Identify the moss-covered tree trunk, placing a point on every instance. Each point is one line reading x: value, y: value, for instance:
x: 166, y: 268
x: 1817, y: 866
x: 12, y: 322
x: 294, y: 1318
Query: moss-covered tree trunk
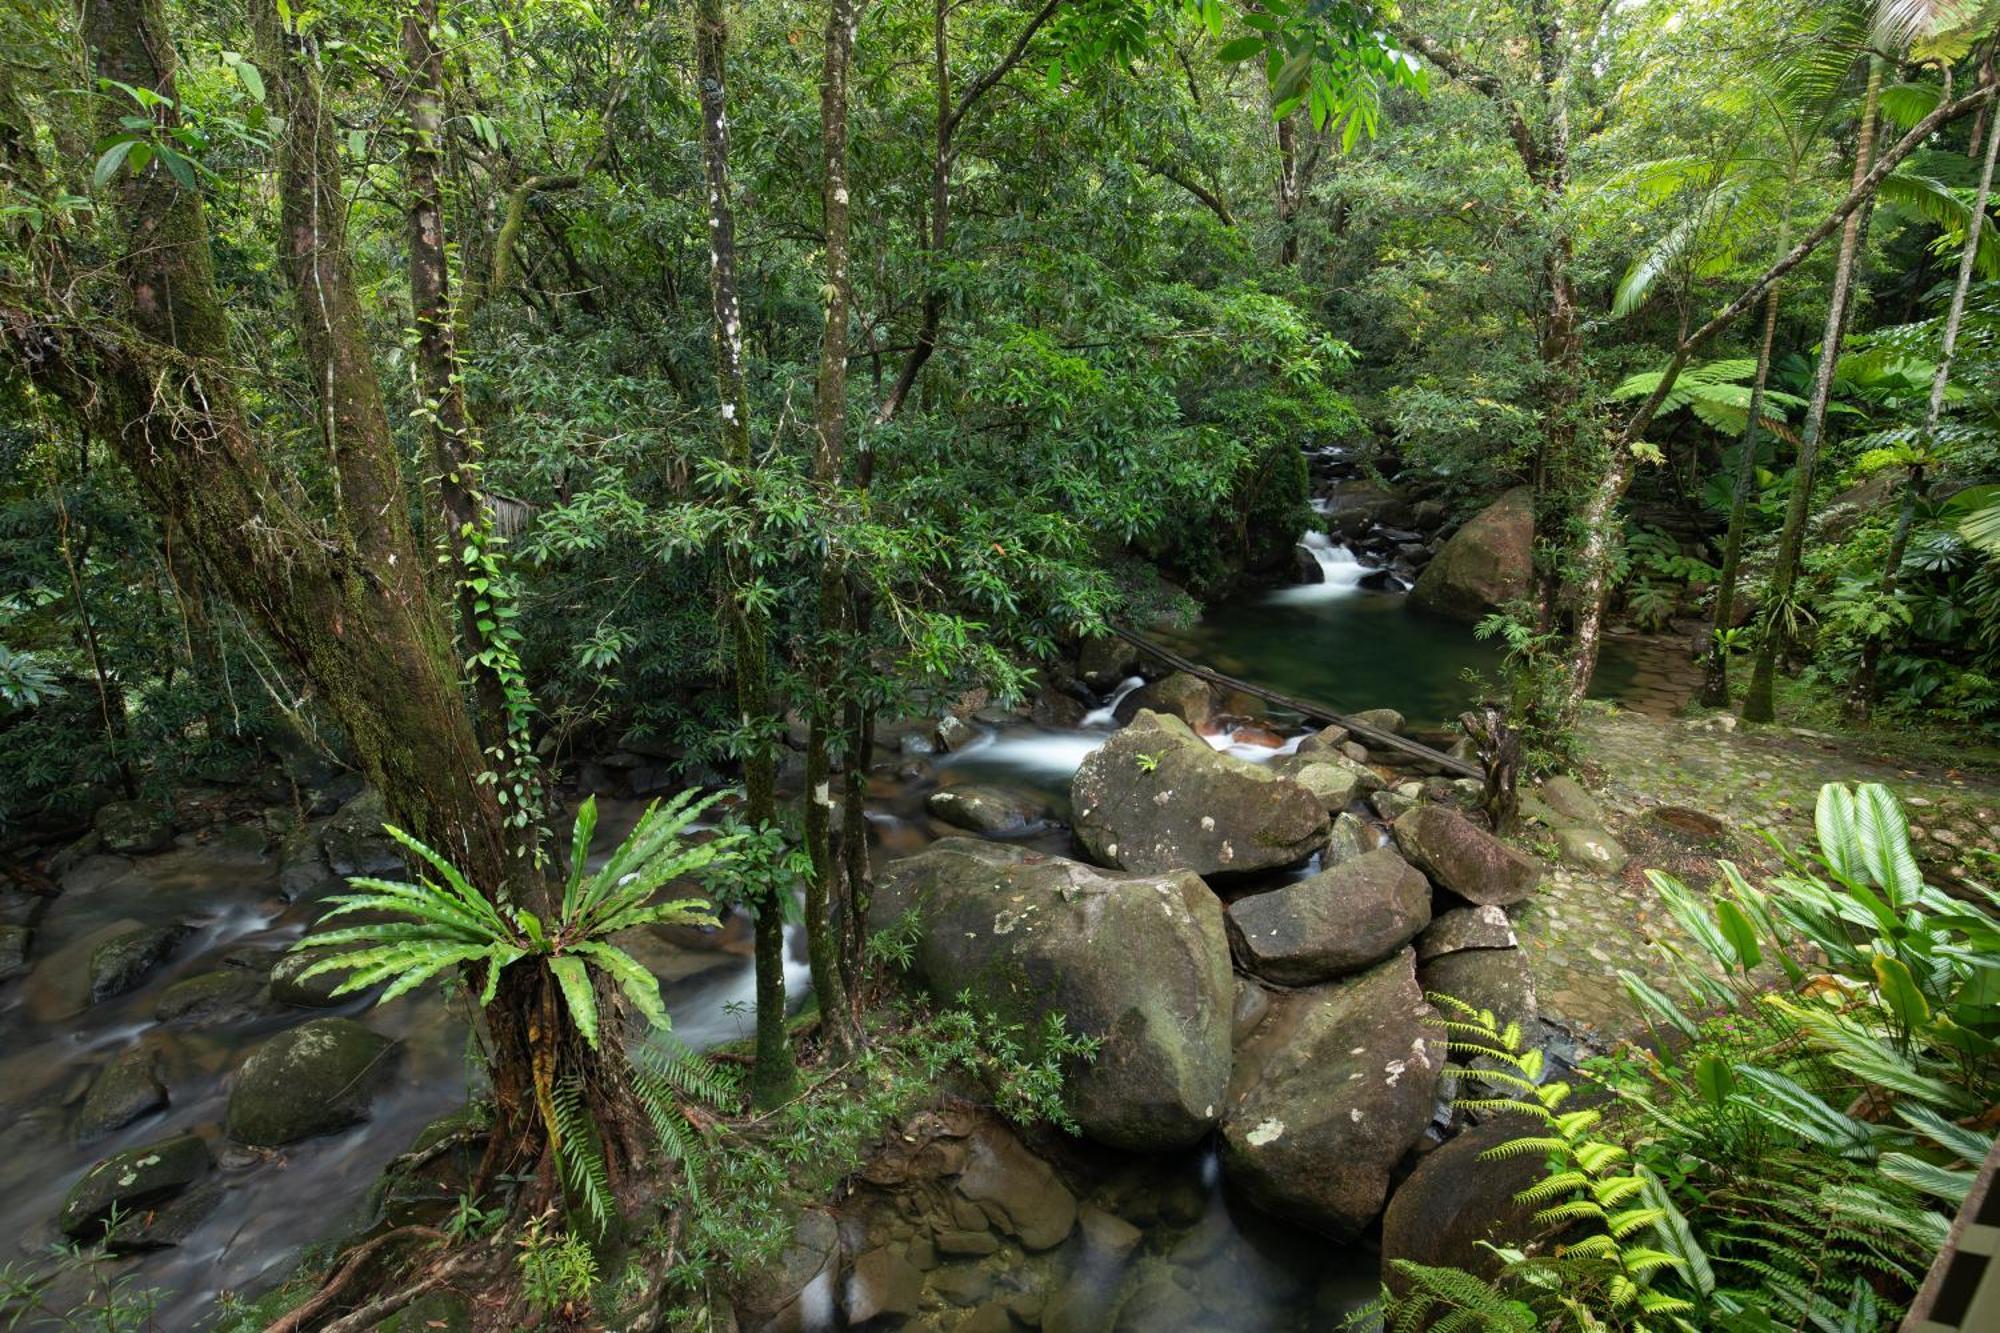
x: 775, y: 1074
x: 346, y: 600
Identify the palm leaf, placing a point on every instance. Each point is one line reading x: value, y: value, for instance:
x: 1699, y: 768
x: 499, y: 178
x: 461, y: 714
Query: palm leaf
x: 1931, y: 200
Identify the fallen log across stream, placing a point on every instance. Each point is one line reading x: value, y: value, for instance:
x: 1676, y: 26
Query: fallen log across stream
x: 1315, y: 712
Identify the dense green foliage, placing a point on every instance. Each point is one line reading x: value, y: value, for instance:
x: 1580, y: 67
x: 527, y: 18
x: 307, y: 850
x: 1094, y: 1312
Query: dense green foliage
x: 1781, y: 1155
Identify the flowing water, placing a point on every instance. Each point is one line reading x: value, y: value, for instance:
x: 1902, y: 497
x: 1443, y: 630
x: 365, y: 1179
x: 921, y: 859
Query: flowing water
x: 1330, y: 640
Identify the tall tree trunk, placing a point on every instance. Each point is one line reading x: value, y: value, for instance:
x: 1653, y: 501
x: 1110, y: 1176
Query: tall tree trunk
x: 823, y: 949
x: 1715, y: 673
x: 775, y: 1075
x: 1759, y: 705
x: 1866, y: 685
x: 454, y: 448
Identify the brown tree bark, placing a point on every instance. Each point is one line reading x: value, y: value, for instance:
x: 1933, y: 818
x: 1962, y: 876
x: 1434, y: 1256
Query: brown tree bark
x: 822, y: 908
x: 774, y: 1075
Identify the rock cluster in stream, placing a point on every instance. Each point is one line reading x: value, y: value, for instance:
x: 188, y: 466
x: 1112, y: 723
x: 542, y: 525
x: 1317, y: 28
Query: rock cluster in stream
x: 1292, y: 1019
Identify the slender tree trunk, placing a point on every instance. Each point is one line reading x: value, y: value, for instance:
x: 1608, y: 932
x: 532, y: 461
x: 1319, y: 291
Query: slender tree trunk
x: 823, y: 947
x: 1291, y: 190
x: 1759, y: 705
x: 775, y: 1075
x: 1866, y: 684
x: 1715, y: 674
x: 454, y: 448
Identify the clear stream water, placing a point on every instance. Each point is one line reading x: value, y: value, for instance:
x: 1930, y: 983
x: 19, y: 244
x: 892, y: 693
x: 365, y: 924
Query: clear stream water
x: 1332, y: 641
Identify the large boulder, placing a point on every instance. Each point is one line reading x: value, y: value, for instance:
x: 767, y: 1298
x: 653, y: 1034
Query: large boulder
x: 1486, y: 564
x: 1139, y: 961
x: 1458, y: 1197
x: 1105, y: 660
x: 1329, y: 1092
x: 313, y: 1079
x: 1465, y: 858
x: 1357, y: 913
x: 134, y: 827
x: 1466, y: 928
x: 1157, y: 797
x: 1493, y: 979
x: 989, y: 810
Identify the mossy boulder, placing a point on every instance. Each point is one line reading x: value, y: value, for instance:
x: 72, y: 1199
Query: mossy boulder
x: 1337, y: 921
x: 1486, y: 564
x: 134, y: 827
x: 1329, y: 1092
x: 316, y: 1078
x: 1182, y: 695
x: 1156, y: 797
x: 355, y: 843
x: 290, y: 985
x: 124, y: 1091
x: 1138, y: 961
x: 126, y: 1182
x: 209, y: 999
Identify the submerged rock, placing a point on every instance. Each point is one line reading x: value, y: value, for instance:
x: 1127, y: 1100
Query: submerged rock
x: 131, y: 1180
x: 14, y: 950
x: 124, y: 961
x: 883, y: 1282
x: 1017, y: 1190
x: 1139, y: 961
x: 134, y: 827
x: 229, y: 995
x: 989, y: 809
x: 1339, y: 920
x: 1158, y: 797
x: 1486, y: 564
x: 127, y: 1089
x: 289, y: 986
x: 1328, y: 1094
x: 314, y: 1079
x: 1465, y: 858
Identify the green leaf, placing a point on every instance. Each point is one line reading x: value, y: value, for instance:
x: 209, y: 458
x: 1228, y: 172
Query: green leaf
x: 1901, y: 993
x: 1243, y: 48
x: 108, y: 164
x: 632, y: 977
x: 574, y: 978
x: 1742, y: 936
x: 1715, y: 1078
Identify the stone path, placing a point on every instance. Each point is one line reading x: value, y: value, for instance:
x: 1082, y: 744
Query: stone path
x: 1583, y: 926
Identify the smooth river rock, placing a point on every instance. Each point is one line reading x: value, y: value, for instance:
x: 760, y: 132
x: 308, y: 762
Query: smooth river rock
x: 131, y: 1180
x: 1458, y: 1197
x: 313, y: 1079
x: 1329, y: 1093
x: 1464, y: 858
x: 1140, y: 961
x: 1354, y: 914
x: 1157, y: 797
x: 990, y: 810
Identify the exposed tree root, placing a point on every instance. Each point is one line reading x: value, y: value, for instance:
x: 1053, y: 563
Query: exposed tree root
x: 301, y: 1317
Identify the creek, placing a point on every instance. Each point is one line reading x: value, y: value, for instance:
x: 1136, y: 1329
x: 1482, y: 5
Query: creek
x: 1331, y: 640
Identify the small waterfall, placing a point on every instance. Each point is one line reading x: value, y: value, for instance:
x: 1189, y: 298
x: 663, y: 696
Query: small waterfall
x: 1108, y: 715
x: 1339, y: 572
